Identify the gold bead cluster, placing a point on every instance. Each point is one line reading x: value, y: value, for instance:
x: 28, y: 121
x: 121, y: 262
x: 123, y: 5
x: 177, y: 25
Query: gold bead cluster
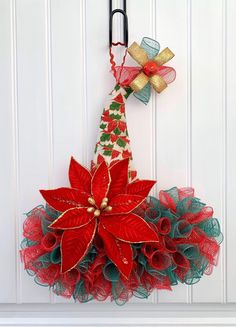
x: 103, y: 207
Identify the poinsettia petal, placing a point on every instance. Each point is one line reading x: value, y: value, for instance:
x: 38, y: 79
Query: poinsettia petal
x: 120, y: 253
x: 79, y: 176
x: 75, y: 244
x: 124, y: 203
x: 72, y: 218
x: 140, y: 187
x: 129, y: 228
x: 119, y: 178
x: 100, y: 183
x: 64, y: 198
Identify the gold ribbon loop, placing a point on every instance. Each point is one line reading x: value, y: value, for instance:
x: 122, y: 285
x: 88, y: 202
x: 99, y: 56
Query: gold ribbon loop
x: 139, y: 82
x: 138, y: 54
x: 158, y: 83
x: 164, y: 56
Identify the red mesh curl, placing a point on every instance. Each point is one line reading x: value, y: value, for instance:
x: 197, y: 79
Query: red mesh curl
x: 30, y: 255
x: 159, y: 260
x: 49, y: 275
x: 168, y: 74
x: 32, y: 227
x: 185, y: 192
x: 164, y: 226
x: 49, y: 241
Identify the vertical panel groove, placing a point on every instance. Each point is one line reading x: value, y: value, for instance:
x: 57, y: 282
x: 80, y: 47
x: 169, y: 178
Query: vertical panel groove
x: 229, y: 243
x: 207, y: 151
x: 83, y: 31
x: 16, y: 145
x: 154, y: 100
x: 189, y: 109
x: 153, y: 20
x: 224, y: 157
x: 48, y: 50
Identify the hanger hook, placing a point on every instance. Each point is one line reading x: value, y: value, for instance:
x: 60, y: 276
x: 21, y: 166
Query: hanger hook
x: 125, y: 23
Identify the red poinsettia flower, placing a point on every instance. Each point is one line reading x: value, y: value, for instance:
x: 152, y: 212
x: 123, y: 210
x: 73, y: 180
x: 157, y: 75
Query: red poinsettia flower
x: 102, y: 203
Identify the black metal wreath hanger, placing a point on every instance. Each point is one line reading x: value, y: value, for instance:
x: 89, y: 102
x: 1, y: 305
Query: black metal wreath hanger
x: 125, y: 24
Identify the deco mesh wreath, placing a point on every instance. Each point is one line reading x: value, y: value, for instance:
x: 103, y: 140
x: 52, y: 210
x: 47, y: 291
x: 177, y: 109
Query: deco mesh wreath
x: 104, y: 237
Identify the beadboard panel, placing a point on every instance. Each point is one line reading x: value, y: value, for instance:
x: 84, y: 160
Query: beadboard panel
x: 54, y: 78
x: 67, y: 89
x: 230, y: 152
x: 8, y: 162
x: 32, y: 113
x: 172, y: 134
x: 207, y: 113
x: 142, y: 117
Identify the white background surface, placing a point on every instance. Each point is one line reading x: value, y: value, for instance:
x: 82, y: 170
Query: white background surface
x: 54, y: 78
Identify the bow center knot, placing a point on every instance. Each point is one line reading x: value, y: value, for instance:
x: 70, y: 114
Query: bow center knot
x: 150, y: 68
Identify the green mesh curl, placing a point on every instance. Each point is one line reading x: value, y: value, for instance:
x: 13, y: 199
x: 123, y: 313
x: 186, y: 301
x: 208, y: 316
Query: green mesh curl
x: 152, y: 47
x: 110, y: 272
x: 55, y: 255
x: 211, y: 227
x: 144, y: 94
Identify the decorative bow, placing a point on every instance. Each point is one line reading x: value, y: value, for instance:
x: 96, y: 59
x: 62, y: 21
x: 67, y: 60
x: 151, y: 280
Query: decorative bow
x: 152, y: 72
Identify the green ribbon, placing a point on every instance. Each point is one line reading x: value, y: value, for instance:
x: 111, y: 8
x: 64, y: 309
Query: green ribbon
x: 152, y: 48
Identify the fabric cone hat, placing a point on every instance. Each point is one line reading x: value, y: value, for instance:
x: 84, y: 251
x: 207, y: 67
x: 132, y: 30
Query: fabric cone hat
x: 113, y: 142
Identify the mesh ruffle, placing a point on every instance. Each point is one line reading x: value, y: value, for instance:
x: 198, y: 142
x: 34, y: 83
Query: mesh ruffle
x: 188, y: 248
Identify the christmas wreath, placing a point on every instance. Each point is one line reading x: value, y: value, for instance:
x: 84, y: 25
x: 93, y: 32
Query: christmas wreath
x: 104, y: 236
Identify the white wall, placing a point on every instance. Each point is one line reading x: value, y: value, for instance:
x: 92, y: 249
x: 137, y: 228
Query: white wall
x: 54, y: 78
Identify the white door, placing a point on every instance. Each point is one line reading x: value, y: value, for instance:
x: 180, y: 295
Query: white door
x: 54, y: 79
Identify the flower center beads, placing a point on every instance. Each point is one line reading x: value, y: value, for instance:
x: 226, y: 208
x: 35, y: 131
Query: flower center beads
x: 150, y: 68
x: 103, y: 207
